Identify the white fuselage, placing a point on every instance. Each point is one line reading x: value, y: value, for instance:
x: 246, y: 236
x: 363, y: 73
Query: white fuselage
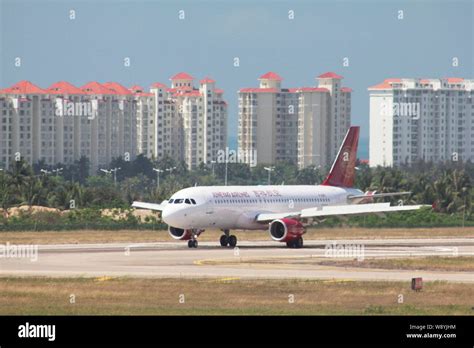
x: 236, y: 207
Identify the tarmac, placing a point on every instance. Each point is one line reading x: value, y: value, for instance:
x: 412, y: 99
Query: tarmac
x: 249, y: 260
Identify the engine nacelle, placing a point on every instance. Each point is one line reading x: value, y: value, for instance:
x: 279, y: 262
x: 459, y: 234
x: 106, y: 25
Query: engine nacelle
x: 179, y: 233
x: 286, y: 230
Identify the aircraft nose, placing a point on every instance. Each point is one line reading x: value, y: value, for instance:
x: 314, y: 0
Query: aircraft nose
x: 170, y: 216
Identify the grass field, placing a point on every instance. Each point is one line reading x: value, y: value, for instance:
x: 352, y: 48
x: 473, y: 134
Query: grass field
x: 430, y: 263
x: 108, y: 296
x: 125, y: 236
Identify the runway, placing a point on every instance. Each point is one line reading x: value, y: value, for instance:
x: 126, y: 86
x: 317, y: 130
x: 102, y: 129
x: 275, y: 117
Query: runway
x: 251, y: 260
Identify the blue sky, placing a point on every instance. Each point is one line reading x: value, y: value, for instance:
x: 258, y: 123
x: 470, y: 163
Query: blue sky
x: 379, y: 45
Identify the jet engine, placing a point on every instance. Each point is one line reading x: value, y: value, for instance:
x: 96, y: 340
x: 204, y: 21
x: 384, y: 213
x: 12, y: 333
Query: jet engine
x: 179, y: 233
x: 287, y: 230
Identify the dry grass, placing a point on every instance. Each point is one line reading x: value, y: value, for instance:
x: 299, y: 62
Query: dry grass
x: 233, y: 297
x: 432, y: 263
x: 125, y: 236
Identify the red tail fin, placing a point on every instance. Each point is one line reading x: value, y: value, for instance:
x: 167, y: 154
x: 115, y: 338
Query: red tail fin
x: 343, y: 169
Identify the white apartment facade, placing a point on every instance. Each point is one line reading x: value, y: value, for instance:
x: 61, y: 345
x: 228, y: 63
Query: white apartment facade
x: 302, y: 125
x: 192, y: 121
x: 421, y: 119
x: 62, y: 123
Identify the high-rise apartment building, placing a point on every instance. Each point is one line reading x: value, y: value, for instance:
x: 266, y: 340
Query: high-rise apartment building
x: 61, y: 123
x: 421, y: 119
x: 192, y: 121
x: 102, y: 121
x: 303, y: 125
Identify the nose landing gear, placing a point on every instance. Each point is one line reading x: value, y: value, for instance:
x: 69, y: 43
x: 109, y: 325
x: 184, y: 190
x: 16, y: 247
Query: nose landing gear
x: 228, y: 240
x: 193, y: 243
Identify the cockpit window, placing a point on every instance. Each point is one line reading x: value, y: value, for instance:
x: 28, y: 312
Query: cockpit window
x: 182, y: 200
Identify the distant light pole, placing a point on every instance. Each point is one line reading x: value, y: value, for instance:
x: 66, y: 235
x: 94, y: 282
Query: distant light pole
x: 213, y: 164
x: 158, y: 171
x: 57, y: 171
x: 226, y: 169
x: 170, y: 169
x: 112, y: 171
x: 269, y: 170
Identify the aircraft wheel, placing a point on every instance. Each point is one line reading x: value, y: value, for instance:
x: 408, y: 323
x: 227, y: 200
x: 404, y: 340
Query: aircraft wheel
x: 232, y: 241
x: 289, y: 244
x: 224, y: 240
x: 299, y: 242
x: 190, y: 243
x: 195, y: 244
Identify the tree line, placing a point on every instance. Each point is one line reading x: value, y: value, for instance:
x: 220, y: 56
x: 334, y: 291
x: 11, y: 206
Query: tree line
x: 446, y: 186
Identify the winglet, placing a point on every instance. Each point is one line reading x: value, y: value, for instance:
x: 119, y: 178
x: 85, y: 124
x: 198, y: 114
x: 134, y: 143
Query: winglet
x: 342, y: 172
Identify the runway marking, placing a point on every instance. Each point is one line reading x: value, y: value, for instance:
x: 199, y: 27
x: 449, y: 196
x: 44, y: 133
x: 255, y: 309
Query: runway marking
x: 338, y: 281
x: 226, y: 280
x: 103, y: 279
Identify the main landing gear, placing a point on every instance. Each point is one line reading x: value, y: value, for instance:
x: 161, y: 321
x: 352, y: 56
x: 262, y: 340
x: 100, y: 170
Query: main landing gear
x: 295, y: 243
x: 228, y: 240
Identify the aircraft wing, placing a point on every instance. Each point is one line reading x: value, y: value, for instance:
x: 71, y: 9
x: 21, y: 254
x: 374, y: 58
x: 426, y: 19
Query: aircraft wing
x: 150, y: 206
x: 336, y: 210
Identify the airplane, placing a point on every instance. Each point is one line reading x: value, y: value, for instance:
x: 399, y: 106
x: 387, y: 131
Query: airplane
x: 285, y: 210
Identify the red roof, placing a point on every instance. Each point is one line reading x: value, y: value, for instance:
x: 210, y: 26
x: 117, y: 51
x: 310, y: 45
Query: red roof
x: 206, y: 80
x: 143, y: 94
x: 117, y: 88
x: 218, y: 91
x: 180, y: 88
x: 158, y: 85
x: 182, y: 93
x: 270, y: 76
x: 138, y: 91
x: 312, y: 89
x: 182, y: 76
x: 96, y: 88
x: 346, y: 90
x: 386, y: 84
x: 63, y: 87
x: 455, y: 79
x: 23, y: 87
x: 136, y: 88
x: 258, y: 90
x: 330, y: 75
